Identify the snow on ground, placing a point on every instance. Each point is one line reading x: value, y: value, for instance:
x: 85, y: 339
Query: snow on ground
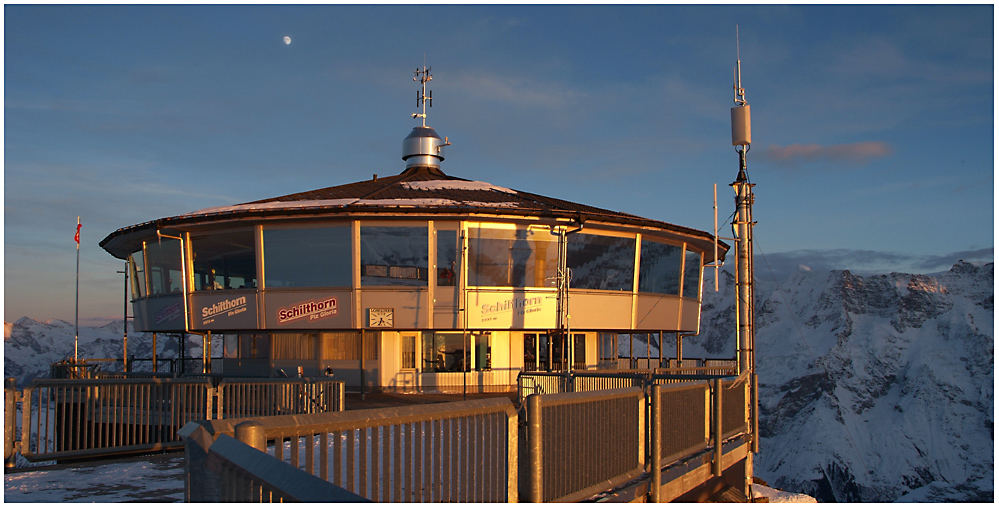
x: 779, y: 496
x: 150, y: 479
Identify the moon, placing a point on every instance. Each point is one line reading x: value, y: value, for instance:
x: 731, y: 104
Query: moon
x: 287, y: 40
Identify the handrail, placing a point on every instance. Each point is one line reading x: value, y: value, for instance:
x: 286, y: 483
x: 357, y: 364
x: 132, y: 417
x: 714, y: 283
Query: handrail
x: 289, y: 482
x: 473, y: 446
x: 285, y: 425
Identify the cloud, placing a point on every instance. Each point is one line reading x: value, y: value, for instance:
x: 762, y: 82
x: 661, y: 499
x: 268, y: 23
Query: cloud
x: 850, y: 153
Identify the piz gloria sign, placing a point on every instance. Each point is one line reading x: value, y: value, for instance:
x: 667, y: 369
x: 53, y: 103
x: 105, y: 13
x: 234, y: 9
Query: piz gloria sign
x: 228, y: 308
x: 310, y: 310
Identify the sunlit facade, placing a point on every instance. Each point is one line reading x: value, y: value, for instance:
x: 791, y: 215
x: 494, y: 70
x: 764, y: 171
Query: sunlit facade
x: 420, y: 281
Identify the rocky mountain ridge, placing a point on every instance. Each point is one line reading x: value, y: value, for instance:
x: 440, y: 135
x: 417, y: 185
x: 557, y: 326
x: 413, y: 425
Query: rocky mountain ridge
x: 872, y: 387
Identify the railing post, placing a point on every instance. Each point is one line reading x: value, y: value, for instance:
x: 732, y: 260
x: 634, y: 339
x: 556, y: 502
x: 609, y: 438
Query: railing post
x: 9, y: 421
x: 754, y: 409
x: 252, y: 434
x: 716, y: 466
x: 341, y: 389
x: 512, y: 460
x: 535, y: 466
x: 209, y: 395
x: 657, y: 444
x: 26, y: 423
x: 219, y: 404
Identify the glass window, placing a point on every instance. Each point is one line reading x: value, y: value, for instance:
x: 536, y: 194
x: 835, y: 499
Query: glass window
x: 447, y: 257
x: 530, y: 352
x: 409, y: 351
x: 608, y: 350
x: 444, y: 352
x: 393, y: 256
x: 512, y: 258
x: 340, y: 346
x: 294, y: 346
x: 692, y: 274
x: 254, y: 345
x: 163, y: 264
x: 224, y: 261
x: 137, y: 272
x: 371, y: 343
x: 600, y: 262
x: 579, y: 351
x: 313, y: 257
x: 660, y: 268
x: 230, y: 345
x: 483, y: 351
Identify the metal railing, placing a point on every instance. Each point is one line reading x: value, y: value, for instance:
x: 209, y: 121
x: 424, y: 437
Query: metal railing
x: 447, y: 452
x: 692, y: 419
x: 579, y: 444
x: 530, y: 383
x: 79, y: 418
x: 248, y: 475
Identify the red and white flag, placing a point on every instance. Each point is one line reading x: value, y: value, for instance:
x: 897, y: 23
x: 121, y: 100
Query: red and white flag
x: 77, y: 236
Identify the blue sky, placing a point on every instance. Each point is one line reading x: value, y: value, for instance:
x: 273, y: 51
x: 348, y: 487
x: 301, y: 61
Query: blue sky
x: 872, y: 125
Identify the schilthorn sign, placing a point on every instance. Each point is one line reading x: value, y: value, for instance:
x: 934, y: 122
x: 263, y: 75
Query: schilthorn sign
x: 499, y: 310
x: 312, y: 310
x: 515, y: 306
x: 228, y: 307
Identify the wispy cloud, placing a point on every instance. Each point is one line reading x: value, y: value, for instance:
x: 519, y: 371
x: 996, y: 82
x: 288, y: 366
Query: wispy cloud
x: 850, y: 153
x: 513, y: 89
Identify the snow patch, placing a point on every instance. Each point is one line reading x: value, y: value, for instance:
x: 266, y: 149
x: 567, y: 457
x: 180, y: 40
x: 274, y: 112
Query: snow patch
x: 340, y: 203
x: 455, y: 185
x: 779, y: 496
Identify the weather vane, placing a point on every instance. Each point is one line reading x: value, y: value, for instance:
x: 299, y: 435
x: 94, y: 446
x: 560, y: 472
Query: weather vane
x: 424, y: 97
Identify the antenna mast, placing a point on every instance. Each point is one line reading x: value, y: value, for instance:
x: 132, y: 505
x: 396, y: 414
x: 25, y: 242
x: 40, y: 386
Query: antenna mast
x: 742, y: 227
x: 422, y: 98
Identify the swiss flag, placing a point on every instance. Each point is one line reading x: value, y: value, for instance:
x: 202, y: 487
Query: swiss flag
x: 77, y: 236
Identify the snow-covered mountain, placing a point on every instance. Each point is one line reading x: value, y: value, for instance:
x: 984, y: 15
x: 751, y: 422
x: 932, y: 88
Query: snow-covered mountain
x: 30, y: 346
x: 872, y: 388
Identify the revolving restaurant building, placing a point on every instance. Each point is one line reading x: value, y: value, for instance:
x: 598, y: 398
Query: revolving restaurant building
x: 418, y: 281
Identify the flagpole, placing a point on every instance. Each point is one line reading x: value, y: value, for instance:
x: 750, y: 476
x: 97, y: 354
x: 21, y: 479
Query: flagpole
x: 76, y: 336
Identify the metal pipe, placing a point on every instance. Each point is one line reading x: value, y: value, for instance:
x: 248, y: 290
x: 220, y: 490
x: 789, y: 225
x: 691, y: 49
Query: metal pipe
x: 657, y: 444
x: 716, y: 466
x: 252, y: 434
x: 535, y: 466
x: 76, y: 336
x: 755, y: 412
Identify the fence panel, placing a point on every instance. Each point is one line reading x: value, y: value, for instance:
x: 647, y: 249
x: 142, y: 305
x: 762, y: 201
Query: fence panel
x: 683, y: 411
x: 593, y: 381
x: 426, y: 453
x: 582, y: 443
x: 733, y: 408
x: 531, y: 383
x: 79, y: 418
x: 269, y: 397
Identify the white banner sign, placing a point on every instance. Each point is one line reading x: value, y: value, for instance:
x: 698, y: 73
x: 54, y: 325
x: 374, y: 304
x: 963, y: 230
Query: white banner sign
x: 509, y: 309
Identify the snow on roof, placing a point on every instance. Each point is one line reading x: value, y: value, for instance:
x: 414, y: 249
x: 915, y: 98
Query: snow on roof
x: 321, y: 203
x: 455, y: 185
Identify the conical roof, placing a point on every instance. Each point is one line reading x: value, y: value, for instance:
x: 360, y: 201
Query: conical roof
x: 417, y: 190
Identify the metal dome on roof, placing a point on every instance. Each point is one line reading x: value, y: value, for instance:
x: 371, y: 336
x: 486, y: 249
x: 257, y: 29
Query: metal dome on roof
x: 422, y: 148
